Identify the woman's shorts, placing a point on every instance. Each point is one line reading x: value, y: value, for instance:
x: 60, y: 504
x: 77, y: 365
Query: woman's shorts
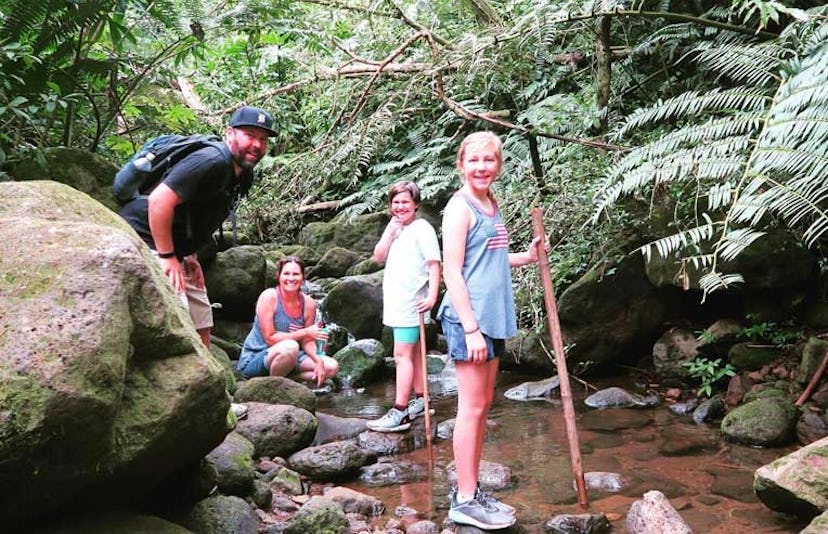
x: 406, y: 334
x: 255, y: 366
x: 456, y: 340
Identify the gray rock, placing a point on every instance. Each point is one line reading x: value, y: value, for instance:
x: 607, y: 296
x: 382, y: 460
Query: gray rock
x: 235, y: 278
x: 319, y: 515
x: 233, y: 460
x: 276, y: 390
x: 541, y: 390
x: 392, y: 472
x: 286, y: 480
x: 603, y: 481
x: 118, y: 522
x: 610, y: 311
x: 493, y: 476
x: 673, y: 350
x: 352, y: 501
x: 655, y: 515
x: 355, y: 303
x: 615, y: 397
x: 819, y: 525
x: 222, y: 514
x: 795, y: 484
x: 80, y: 169
x: 764, y: 422
x: 812, y: 426
x: 577, y: 524
x: 277, y: 429
x: 330, y: 461
x: 359, y: 234
x: 335, y: 428
x: 712, y: 408
x: 335, y: 263
x: 360, y: 362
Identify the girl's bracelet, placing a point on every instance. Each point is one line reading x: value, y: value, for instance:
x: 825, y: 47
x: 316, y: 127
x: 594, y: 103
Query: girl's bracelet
x: 476, y: 329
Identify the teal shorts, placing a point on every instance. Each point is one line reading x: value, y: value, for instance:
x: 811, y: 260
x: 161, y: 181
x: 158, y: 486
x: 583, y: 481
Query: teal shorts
x: 406, y: 334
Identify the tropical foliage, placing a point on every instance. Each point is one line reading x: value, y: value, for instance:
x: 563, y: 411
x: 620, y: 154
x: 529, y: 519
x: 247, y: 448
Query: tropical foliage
x: 712, y: 109
x: 748, y: 150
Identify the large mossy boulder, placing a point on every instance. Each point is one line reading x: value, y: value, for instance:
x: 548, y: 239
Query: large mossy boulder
x: 235, y: 279
x: 796, y: 483
x: 85, y: 171
x: 356, y: 304
x: 359, y: 234
x: 610, y: 312
x: 105, y: 388
x: 276, y: 390
x: 764, y: 422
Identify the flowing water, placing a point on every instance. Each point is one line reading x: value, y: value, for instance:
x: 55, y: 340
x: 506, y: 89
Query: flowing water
x: 708, y: 480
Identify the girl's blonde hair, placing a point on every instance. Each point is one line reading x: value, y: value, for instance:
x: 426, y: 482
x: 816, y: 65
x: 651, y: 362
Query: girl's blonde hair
x: 483, y: 138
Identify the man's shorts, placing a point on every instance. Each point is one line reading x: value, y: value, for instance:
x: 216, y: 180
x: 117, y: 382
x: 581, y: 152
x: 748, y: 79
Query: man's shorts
x: 196, y: 302
x: 456, y: 340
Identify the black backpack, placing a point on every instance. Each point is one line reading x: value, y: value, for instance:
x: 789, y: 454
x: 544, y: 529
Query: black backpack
x: 155, y: 159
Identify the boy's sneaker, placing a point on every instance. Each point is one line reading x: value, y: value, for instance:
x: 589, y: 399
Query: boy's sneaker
x: 416, y: 408
x: 393, y: 421
x: 490, y: 501
x: 474, y: 513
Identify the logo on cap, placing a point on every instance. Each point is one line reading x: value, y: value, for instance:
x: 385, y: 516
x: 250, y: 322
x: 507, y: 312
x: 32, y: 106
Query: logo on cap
x: 261, y: 119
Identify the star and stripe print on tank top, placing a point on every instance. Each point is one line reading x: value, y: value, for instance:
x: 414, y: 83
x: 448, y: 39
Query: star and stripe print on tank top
x: 294, y: 327
x: 500, y: 239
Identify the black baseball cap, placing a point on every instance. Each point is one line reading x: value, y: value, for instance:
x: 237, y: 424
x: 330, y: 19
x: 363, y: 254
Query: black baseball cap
x: 250, y: 116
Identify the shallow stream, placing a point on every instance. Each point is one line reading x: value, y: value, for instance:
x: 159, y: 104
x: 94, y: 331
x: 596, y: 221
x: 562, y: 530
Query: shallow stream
x: 708, y: 480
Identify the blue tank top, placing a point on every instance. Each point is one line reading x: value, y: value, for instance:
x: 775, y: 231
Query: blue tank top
x: 282, y: 322
x: 487, y: 274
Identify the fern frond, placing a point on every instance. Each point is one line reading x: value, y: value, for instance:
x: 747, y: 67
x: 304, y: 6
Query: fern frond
x: 739, y: 126
x: 667, y: 39
x: 667, y: 246
x: 790, y: 161
x: 722, y: 160
x: 745, y: 63
x: 693, y: 103
x: 734, y: 242
x: 715, y: 281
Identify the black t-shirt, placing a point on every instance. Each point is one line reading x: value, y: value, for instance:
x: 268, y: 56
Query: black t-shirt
x: 207, y: 185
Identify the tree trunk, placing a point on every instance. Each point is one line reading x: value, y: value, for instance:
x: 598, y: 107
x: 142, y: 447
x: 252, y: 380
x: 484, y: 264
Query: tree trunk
x: 603, y: 68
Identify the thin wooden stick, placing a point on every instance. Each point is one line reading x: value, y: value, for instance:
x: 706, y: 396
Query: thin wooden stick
x: 425, y: 391
x: 814, y: 380
x: 560, y: 358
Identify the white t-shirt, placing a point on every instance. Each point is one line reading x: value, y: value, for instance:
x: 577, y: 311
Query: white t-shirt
x: 406, y: 273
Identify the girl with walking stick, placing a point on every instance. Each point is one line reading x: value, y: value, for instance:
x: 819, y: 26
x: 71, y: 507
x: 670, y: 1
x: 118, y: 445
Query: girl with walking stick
x: 410, y: 283
x: 477, y: 315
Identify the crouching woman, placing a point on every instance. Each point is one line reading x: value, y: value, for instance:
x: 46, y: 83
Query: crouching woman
x: 284, y: 333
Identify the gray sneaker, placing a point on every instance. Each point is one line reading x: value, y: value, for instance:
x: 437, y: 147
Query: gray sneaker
x: 416, y: 408
x: 393, y: 421
x: 474, y: 513
x: 490, y: 501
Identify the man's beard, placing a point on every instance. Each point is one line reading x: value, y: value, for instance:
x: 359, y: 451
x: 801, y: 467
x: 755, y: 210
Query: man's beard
x: 243, y: 162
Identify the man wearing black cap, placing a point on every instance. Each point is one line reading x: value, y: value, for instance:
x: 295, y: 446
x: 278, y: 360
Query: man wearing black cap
x: 181, y: 213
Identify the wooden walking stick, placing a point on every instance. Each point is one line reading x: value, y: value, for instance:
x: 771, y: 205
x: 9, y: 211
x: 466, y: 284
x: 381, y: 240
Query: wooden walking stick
x: 560, y: 358
x: 425, y: 390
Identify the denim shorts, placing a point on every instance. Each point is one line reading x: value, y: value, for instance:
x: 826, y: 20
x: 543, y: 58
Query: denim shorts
x: 456, y: 340
x: 255, y: 366
x: 406, y: 334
